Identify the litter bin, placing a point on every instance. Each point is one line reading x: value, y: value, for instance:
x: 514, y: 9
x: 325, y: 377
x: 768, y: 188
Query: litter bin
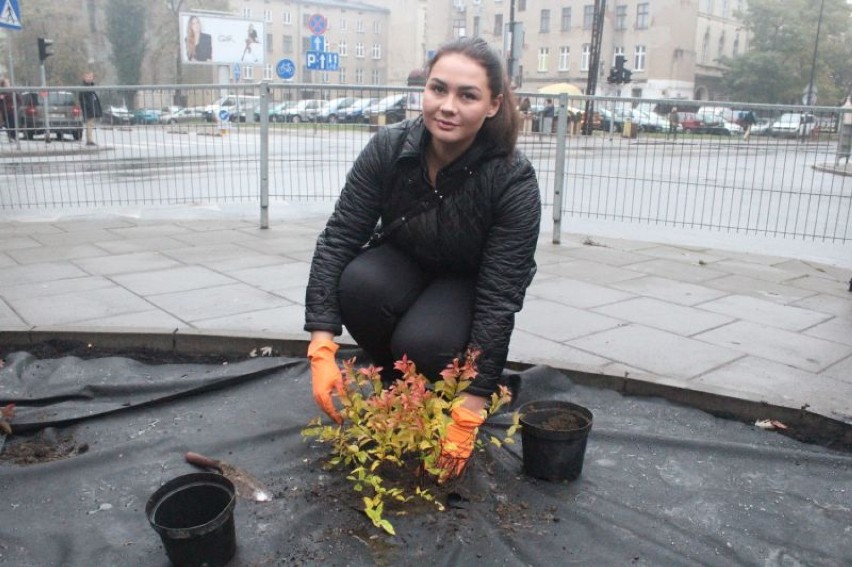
x: 377, y: 120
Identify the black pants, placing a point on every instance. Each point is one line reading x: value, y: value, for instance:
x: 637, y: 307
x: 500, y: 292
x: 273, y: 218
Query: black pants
x: 392, y: 307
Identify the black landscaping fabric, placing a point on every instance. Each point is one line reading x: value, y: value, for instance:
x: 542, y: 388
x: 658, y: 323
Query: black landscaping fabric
x: 662, y: 484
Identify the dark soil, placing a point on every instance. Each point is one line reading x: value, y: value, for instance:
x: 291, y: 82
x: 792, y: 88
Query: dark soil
x: 563, y: 421
x: 40, y: 447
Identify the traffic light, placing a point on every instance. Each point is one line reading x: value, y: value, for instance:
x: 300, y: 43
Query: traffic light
x: 45, y: 48
x: 613, y: 76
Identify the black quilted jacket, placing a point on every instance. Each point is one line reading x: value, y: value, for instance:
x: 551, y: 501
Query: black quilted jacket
x: 486, y: 226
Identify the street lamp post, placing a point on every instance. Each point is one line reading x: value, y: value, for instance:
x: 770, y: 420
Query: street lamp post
x: 809, y: 100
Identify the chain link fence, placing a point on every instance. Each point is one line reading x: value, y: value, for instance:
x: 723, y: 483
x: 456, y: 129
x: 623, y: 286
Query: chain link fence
x: 752, y: 169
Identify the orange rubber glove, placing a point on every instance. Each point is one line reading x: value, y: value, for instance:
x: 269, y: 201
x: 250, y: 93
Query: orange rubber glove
x: 457, y: 445
x: 325, y: 375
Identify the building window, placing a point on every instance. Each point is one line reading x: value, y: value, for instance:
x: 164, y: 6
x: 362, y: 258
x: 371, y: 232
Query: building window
x: 522, y: 5
x: 725, y: 9
x: 544, y: 22
x: 642, y: 16
x: 639, y: 58
x: 585, y: 56
x: 721, y: 52
x: 621, y: 17
x: 324, y: 77
x: 287, y: 44
x: 359, y: 26
x: 616, y: 52
x: 459, y: 27
x: 267, y: 72
x: 342, y: 75
x: 343, y: 24
x: 543, y: 53
x: 306, y: 44
x: 498, y: 24
x: 342, y: 48
x: 377, y: 77
x: 588, y: 16
x: 267, y: 16
x: 476, y: 27
x: 359, y: 76
x: 359, y: 50
x: 248, y: 72
x: 377, y: 26
x: 705, y: 46
x: 736, y: 45
x: 247, y: 13
x: 287, y: 19
x: 377, y: 51
x: 565, y: 23
x: 564, y: 58
x: 269, y: 43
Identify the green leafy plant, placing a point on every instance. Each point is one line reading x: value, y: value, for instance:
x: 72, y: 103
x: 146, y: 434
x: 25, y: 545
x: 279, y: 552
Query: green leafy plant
x: 392, y: 435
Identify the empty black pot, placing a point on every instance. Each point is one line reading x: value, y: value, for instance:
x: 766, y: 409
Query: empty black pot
x: 194, y: 515
x: 553, y: 435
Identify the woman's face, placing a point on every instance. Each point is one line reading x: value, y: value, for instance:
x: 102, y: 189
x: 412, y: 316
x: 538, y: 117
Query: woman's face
x: 457, y: 100
x: 195, y: 25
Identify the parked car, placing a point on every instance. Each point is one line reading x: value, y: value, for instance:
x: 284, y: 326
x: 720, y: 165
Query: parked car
x: 335, y: 109
x: 230, y: 103
x: 146, y: 116
x: 793, y: 125
x: 305, y: 110
x: 711, y: 123
x: 651, y: 121
x: 278, y: 112
x: 355, y: 112
x: 182, y: 115
x: 58, y: 111
x: 392, y: 107
x: 117, y: 115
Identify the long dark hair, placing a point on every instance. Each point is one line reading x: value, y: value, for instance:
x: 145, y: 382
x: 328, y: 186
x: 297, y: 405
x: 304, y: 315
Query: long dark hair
x: 502, y: 128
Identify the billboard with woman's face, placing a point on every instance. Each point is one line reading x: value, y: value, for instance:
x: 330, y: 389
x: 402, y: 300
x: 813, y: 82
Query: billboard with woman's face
x: 214, y: 39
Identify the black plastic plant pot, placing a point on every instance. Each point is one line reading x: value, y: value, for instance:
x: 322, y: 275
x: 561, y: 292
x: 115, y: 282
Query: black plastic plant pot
x: 553, y: 436
x: 194, y: 515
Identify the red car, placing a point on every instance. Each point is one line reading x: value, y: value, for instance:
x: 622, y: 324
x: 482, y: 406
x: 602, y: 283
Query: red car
x: 689, y: 122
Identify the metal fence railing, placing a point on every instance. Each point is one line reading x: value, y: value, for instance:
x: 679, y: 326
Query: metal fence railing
x: 272, y: 144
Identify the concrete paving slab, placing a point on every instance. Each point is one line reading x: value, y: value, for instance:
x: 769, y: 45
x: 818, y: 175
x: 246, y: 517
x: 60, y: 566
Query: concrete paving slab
x: 10, y: 229
x: 269, y: 278
x: 679, y: 319
x: 282, y: 245
x: 148, y: 244
x: 685, y: 255
x: 688, y: 273
x: 830, y: 304
x: 8, y: 244
x: 34, y: 273
x: 528, y: 348
x: 52, y: 253
x: 225, y: 257
x: 54, y: 287
x: 94, y: 224
x: 803, y: 352
x: 779, y: 293
x: 557, y: 322
x: 669, y: 290
x: 792, y: 387
x: 6, y: 261
x: 802, y: 268
x: 215, y: 225
x: 841, y: 370
x: 657, y: 352
x: 765, y: 312
x: 220, y: 301
x: 126, y: 263
x: 606, y: 255
x: 752, y: 270
x: 149, y: 230
x: 587, y: 271
x: 305, y: 255
x: 838, y: 329
x: 70, y: 308
x: 9, y: 319
x: 210, y: 237
x: 73, y: 237
x: 575, y: 293
x: 152, y: 319
x: 284, y: 319
x: 179, y: 278
x: 827, y: 285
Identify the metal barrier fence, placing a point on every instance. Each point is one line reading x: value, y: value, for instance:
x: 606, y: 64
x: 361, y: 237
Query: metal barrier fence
x: 271, y: 145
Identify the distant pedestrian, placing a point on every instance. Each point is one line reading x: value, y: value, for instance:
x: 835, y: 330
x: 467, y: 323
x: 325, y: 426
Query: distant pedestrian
x: 674, y: 122
x: 91, y: 105
x: 547, y: 117
x: 747, y: 120
x: 9, y: 101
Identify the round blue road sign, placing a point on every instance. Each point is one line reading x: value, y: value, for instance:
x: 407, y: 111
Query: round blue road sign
x: 224, y: 115
x: 285, y: 69
x: 318, y: 24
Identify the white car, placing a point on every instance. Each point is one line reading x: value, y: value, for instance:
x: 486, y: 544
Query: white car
x: 792, y: 125
x: 182, y: 115
x: 307, y: 110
